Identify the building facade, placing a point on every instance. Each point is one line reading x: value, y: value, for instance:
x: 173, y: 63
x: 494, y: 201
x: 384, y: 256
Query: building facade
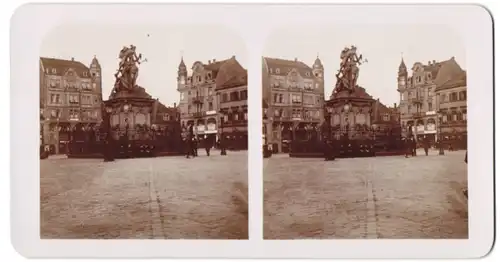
x: 70, y: 99
x: 418, y: 101
x: 452, y: 108
x: 198, y: 103
x: 232, y: 100
x: 294, y: 94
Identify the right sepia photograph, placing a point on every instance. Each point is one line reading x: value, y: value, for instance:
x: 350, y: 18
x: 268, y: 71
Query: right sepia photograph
x: 365, y: 132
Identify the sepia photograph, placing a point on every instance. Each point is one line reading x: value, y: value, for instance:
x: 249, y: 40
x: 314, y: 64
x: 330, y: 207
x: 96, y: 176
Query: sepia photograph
x: 365, y: 132
x: 143, y: 132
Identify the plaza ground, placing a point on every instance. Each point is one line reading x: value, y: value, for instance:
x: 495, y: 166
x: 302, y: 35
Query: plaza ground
x: 164, y: 197
x: 377, y: 197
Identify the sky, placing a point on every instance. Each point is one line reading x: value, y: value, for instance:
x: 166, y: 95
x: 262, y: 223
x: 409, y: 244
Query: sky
x: 382, y: 45
x: 162, y: 46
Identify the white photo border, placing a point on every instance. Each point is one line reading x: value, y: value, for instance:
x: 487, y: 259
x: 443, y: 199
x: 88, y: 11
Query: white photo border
x: 32, y: 22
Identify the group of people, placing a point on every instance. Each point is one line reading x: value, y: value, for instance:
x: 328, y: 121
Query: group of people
x: 192, y: 143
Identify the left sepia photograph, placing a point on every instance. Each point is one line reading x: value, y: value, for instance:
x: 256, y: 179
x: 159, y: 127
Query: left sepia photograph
x: 143, y: 133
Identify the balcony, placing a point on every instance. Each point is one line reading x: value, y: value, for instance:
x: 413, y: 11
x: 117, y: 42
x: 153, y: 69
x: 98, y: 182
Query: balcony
x: 197, y: 100
x: 418, y: 115
x: 198, y: 114
x: 417, y: 100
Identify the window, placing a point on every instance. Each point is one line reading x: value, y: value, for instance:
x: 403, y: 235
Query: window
x: 462, y: 95
x: 296, y: 113
x: 225, y: 97
x: 245, y: 116
x: 296, y: 98
x: 235, y: 96
x: 277, y: 70
x: 166, y: 117
x: 243, y: 95
x: 182, y: 95
x: 84, y: 73
x: 429, y: 107
x: 74, y: 114
x: 277, y: 113
x: 308, y: 74
x: 278, y: 98
x: 444, y: 118
x: 73, y: 99
x: 386, y: 117
x: 55, y: 113
x: 276, y: 83
x: 210, y: 91
x: 409, y: 109
x: 189, y: 109
x: 54, y: 71
x: 270, y: 70
x: 210, y: 106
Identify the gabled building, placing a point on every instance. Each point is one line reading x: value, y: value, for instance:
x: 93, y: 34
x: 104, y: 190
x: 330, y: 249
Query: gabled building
x: 452, y: 107
x: 294, y: 94
x: 418, y: 100
x: 70, y: 98
x: 202, y: 93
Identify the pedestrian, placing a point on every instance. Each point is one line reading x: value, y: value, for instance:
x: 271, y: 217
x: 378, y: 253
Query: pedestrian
x: 189, y: 141
x: 208, y: 145
x: 195, y: 147
x: 406, y: 146
x: 413, y: 147
x: 426, y: 146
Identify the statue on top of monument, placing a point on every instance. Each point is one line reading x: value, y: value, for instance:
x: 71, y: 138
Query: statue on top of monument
x: 128, y: 69
x: 348, y: 73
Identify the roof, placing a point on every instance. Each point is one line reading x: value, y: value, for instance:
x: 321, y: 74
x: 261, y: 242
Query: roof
x: 238, y: 79
x: 160, y: 109
x: 285, y: 66
x: 458, y: 81
x: 61, y: 66
x: 443, y: 71
x: 228, y: 73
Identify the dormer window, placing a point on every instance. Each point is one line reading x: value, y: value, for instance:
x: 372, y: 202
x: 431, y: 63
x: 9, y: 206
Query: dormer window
x: 85, y: 73
x: 308, y: 74
x: 277, y: 70
x: 270, y: 70
x: 54, y: 71
x: 209, y: 76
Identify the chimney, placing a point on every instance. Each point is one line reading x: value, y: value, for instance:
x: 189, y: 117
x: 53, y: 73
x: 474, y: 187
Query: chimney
x: 233, y: 57
x: 394, y: 105
x: 213, y: 60
x: 429, y: 63
x: 209, y: 61
x: 175, y: 105
x: 433, y: 62
x: 295, y: 59
x: 72, y: 59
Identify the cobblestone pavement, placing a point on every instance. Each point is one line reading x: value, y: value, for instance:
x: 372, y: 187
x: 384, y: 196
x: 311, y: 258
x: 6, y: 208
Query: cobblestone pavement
x: 164, y: 197
x: 378, y: 197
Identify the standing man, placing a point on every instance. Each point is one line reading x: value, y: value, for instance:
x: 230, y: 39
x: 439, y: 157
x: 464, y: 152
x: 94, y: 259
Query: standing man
x: 208, y: 144
x: 413, y: 147
x: 195, y: 146
x: 407, y: 147
x: 426, y: 146
x: 189, y: 141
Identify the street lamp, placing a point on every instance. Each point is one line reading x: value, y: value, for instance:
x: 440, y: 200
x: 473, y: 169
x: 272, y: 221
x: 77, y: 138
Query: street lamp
x: 441, y: 149
x: 108, y: 154
x: 221, y: 139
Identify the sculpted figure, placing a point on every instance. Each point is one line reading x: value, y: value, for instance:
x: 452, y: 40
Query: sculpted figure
x: 127, y: 68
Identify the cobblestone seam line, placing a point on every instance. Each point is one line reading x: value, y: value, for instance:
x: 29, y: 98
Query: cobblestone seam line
x: 371, y: 213
x: 154, y: 202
